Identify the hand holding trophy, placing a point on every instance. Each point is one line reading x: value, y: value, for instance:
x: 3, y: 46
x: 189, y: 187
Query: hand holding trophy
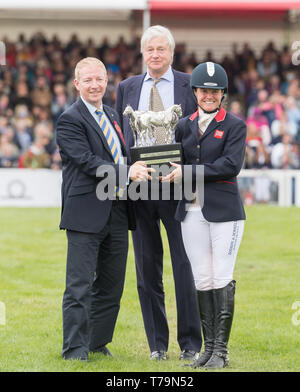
x: 153, y: 134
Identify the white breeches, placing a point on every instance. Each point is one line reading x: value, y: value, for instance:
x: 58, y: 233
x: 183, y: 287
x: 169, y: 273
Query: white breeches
x: 212, y: 249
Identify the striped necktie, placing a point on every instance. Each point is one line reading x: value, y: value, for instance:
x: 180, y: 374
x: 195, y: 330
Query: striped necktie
x: 110, y: 141
x: 108, y: 136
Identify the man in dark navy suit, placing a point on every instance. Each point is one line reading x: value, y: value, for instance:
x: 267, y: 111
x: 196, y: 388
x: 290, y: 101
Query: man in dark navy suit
x: 91, y: 143
x: 157, y: 46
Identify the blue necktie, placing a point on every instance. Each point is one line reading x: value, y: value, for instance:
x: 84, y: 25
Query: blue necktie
x: 108, y: 136
x: 110, y: 141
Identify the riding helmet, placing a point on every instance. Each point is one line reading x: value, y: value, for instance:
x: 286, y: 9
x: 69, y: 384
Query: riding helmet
x: 209, y: 75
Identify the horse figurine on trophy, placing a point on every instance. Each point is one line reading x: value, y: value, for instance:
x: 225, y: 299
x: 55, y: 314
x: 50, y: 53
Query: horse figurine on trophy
x: 154, y: 134
x: 145, y: 123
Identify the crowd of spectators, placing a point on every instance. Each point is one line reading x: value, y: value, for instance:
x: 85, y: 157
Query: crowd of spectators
x: 36, y: 86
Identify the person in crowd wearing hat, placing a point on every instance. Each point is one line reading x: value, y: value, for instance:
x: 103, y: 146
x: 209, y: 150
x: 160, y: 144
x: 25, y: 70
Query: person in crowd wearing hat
x: 212, y: 226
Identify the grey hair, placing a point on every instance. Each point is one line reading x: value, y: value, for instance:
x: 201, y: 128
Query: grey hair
x: 157, y: 31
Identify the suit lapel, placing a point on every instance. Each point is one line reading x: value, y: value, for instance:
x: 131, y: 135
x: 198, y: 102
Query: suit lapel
x: 91, y: 121
x: 135, y: 92
x: 113, y: 120
x: 180, y: 90
x: 193, y: 124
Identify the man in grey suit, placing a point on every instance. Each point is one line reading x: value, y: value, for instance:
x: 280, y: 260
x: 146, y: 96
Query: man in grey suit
x: 157, y: 46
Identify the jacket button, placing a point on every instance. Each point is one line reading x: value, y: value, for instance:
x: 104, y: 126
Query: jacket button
x: 197, y: 160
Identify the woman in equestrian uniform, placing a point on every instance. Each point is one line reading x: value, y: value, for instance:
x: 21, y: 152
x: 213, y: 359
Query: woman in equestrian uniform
x: 212, y: 230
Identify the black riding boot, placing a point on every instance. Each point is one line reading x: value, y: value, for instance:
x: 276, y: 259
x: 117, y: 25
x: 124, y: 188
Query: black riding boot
x: 206, y: 310
x: 224, y: 307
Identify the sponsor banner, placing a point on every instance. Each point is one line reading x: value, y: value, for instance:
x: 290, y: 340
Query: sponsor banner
x: 30, y: 188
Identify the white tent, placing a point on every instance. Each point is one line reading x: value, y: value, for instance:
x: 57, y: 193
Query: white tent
x: 75, y: 4
x: 102, y: 10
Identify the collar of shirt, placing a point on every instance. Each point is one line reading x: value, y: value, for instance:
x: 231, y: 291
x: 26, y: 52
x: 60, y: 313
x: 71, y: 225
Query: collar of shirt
x: 205, y: 119
x: 168, y: 75
x: 165, y: 88
x: 91, y: 108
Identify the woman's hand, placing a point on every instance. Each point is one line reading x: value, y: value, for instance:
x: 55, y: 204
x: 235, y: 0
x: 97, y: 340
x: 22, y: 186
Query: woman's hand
x: 175, y: 175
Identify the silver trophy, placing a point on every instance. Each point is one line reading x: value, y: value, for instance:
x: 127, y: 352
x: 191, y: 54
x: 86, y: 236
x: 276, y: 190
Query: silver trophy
x: 154, y: 134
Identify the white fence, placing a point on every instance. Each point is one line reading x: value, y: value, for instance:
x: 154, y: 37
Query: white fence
x: 30, y: 188
x: 281, y: 187
x: 41, y: 187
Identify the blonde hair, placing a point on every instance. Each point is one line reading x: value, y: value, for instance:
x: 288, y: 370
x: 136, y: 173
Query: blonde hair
x: 87, y: 61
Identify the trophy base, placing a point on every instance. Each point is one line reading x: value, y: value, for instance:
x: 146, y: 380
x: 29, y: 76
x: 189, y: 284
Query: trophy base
x: 158, y: 154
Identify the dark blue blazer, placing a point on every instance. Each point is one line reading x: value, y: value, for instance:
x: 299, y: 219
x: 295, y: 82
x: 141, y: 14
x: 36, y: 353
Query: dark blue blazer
x: 129, y: 91
x: 84, y: 149
x: 221, y: 150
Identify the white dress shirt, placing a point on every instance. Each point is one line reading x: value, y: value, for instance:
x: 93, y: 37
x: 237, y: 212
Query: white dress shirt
x: 165, y: 88
x: 166, y: 91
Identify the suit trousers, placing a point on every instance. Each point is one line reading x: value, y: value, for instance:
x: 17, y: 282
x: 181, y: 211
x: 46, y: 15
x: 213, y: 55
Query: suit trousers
x: 148, y: 249
x: 96, y: 265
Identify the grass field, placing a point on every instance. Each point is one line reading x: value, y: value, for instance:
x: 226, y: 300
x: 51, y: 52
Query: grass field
x: 32, y: 275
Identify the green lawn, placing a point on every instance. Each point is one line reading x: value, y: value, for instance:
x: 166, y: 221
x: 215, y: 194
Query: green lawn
x: 32, y: 273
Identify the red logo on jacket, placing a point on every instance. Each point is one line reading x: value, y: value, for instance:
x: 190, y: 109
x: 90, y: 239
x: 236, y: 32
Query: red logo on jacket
x: 117, y: 126
x: 218, y: 134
